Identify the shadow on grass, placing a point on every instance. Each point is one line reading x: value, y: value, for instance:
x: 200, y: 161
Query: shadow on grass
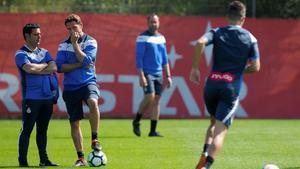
x: 19, y: 167
x: 101, y: 137
x: 130, y: 137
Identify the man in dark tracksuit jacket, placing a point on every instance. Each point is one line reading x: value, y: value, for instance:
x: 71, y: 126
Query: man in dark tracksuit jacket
x: 36, y: 69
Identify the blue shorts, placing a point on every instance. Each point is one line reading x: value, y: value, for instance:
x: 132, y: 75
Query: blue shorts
x: 221, y: 102
x: 73, y: 100
x: 154, y: 84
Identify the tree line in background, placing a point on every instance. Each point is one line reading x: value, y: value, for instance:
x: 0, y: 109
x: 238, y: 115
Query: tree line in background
x: 256, y: 8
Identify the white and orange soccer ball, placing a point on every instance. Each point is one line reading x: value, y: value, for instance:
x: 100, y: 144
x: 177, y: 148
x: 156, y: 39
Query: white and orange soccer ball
x: 270, y: 166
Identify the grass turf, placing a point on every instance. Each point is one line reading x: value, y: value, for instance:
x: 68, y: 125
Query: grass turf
x: 249, y: 144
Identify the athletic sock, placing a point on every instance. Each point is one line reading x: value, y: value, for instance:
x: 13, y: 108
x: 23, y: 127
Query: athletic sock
x: 94, y: 135
x: 153, y: 126
x: 205, y: 149
x: 138, y: 117
x: 80, y: 155
x: 209, y: 162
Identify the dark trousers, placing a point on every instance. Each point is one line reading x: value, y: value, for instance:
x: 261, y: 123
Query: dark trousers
x: 39, y: 112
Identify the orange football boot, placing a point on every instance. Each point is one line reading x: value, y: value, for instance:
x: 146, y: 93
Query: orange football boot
x: 201, y: 162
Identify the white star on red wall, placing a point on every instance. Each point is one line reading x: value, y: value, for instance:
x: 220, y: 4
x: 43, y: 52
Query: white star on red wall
x: 173, y: 56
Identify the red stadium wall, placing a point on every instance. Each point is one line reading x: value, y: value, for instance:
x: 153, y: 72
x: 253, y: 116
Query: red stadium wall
x: 271, y: 93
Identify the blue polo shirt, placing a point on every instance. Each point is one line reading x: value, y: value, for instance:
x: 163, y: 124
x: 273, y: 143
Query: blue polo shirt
x: 34, y: 86
x: 87, y: 73
x: 151, y: 53
x: 233, y: 47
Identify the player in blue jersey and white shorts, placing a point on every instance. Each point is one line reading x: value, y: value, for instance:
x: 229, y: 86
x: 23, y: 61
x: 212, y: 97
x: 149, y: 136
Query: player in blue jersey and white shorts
x: 76, y: 58
x: 151, y: 59
x: 235, y: 52
x: 36, y: 67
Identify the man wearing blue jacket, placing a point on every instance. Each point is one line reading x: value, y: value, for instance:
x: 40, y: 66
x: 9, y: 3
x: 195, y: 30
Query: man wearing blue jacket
x: 36, y: 67
x: 76, y: 58
x: 151, y: 59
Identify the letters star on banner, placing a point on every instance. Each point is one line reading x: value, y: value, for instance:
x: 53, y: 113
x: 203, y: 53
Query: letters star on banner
x: 173, y: 56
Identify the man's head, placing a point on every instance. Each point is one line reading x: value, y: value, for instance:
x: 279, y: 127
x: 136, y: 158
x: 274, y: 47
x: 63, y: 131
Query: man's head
x: 73, y: 23
x: 32, y: 34
x: 153, y: 23
x: 237, y: 12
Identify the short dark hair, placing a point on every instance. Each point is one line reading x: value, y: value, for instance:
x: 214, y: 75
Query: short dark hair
x: 27, y: 29
x: 151, y: 16
x: 73, y: 17
x: 236, y: 10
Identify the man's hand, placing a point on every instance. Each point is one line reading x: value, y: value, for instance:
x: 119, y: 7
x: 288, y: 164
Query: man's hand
x: 75, y: 37
x: 169, y: 82
x: 91, y: 65
x: 195, y: 76
x: 143, y: 81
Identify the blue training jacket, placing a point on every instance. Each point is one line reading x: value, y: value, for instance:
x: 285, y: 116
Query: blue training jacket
x: 87, y: 73
x: 151, y: 53
x: 34, y: 86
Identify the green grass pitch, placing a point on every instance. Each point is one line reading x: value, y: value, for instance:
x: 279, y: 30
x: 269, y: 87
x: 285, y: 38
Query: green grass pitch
x: 248, y: 145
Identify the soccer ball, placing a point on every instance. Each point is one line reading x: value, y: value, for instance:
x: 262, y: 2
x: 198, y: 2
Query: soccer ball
x: 97, y: 159
x: 270, y: 166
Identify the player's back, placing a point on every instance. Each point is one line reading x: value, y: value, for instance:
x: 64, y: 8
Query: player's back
x: 233, y: 46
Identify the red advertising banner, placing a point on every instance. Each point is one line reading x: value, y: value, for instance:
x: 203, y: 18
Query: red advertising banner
x: 271, y: 93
